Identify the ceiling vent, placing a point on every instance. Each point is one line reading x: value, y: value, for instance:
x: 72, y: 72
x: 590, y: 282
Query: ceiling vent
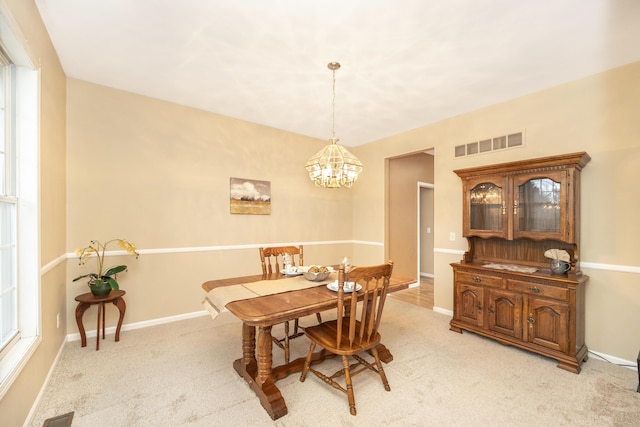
x: 503, y: 142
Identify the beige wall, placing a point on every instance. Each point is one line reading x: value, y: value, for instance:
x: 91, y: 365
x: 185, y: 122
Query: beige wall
x: 158, y: 174
x: 597, y: 114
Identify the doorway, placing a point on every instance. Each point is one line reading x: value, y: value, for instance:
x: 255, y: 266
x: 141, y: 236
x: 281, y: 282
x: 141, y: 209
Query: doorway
x: 402, y: 220
x: 422, y: 292
x: 425, y: 230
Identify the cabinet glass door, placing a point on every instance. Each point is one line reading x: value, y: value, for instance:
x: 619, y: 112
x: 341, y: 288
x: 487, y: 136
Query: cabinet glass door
x: 485, y: 207
x: 487, y: 204
x: 538, y: 206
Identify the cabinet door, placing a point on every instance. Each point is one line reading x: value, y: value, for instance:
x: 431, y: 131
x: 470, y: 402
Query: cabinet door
x: 485, y: 207
x: 540, y: 205
x: 469, y: 304
x: 505, y: 312
x: 547, y: 323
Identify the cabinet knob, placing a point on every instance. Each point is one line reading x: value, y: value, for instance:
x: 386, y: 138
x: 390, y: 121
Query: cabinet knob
x: 531, y: 320
x: 479, y: 306
x: 477, y: 279
x: 491, y: 310
x: 535, y: 290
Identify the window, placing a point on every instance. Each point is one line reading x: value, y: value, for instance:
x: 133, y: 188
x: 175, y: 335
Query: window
x: 8, y: 202
x: 19, y: 225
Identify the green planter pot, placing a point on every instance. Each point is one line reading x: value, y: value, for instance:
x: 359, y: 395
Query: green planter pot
x: 101, y: 289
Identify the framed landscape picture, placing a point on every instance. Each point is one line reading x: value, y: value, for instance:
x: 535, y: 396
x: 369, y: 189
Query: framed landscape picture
x: 250, y: 196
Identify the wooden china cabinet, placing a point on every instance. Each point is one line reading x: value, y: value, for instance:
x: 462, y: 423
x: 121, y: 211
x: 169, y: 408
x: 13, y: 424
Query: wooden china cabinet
x: 503, y: 287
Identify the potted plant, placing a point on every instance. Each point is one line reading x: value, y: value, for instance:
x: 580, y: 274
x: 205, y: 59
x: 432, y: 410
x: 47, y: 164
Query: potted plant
x: 103, y: 280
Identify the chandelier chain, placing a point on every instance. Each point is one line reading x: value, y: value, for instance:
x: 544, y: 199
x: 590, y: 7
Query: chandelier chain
x: 333, y: 108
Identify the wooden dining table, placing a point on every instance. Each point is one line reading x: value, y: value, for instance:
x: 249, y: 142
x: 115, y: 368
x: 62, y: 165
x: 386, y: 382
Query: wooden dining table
x: 263, y: 312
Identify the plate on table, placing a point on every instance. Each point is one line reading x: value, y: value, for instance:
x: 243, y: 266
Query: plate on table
x: 348, y: 287
x: 291, y: 273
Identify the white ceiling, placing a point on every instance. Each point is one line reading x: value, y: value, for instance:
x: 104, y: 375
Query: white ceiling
x: 405, y: 63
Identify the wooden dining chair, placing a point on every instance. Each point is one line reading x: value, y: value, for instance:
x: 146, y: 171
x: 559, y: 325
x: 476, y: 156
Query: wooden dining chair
x: 355, y: 330
x: 271, y: 258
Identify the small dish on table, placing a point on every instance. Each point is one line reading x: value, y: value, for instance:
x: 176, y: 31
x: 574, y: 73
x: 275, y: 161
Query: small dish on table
x: 348, y: 287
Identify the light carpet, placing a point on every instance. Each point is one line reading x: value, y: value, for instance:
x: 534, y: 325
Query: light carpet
x: 180, y: 374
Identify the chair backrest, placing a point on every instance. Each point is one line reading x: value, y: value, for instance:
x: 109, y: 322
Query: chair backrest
x: 362, y: 322
x: 272, y: 257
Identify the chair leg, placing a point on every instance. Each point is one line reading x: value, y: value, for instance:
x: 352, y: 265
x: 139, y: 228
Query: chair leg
x: 383, y: 376
x: 286, y: 342
x: 347, y: 379
x: 307, y: 363
x: 296, y: 326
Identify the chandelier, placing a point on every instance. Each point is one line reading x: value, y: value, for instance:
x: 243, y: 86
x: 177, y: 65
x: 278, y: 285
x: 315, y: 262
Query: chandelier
x: 333, y: 166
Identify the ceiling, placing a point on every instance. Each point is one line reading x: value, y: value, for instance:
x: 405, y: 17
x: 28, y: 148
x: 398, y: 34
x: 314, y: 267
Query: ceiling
x: 405, y: 63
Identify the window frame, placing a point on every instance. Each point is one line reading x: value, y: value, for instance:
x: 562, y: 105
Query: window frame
x: 24, y: 134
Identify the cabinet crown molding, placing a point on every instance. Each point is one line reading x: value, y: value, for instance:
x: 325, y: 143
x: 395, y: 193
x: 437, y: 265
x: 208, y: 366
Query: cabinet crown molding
x: 562, y: 161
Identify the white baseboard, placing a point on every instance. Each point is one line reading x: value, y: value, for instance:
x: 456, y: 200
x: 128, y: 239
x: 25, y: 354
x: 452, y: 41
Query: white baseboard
x: 45, y: 383
x: 140, y: 325
x: 443, y: 311
x: 615, y: 360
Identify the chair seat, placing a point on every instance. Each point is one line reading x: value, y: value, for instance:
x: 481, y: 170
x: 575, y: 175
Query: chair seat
x: 325, y: 334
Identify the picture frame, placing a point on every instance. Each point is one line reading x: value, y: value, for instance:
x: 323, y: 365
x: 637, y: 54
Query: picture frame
x: 249, y: 196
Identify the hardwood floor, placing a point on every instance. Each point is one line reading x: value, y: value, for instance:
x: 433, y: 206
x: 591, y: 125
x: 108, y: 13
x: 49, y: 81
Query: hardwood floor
x: 421, y: 295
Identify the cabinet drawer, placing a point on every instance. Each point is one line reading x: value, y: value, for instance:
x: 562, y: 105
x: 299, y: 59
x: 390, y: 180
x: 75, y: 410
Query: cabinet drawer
x: 479, y: 279
x: 538, y: 289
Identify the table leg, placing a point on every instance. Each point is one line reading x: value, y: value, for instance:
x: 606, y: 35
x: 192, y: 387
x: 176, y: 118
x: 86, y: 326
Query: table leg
x: 100, y: 311
x: 384, y: 353
x: 265, y: 354
x: 122, y: 307
x: 103, y: 322
x: 80, y: 309
x: 260, y: 381
x: 249, y: 348
x: 247, y: 366
x: 638, y: 372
